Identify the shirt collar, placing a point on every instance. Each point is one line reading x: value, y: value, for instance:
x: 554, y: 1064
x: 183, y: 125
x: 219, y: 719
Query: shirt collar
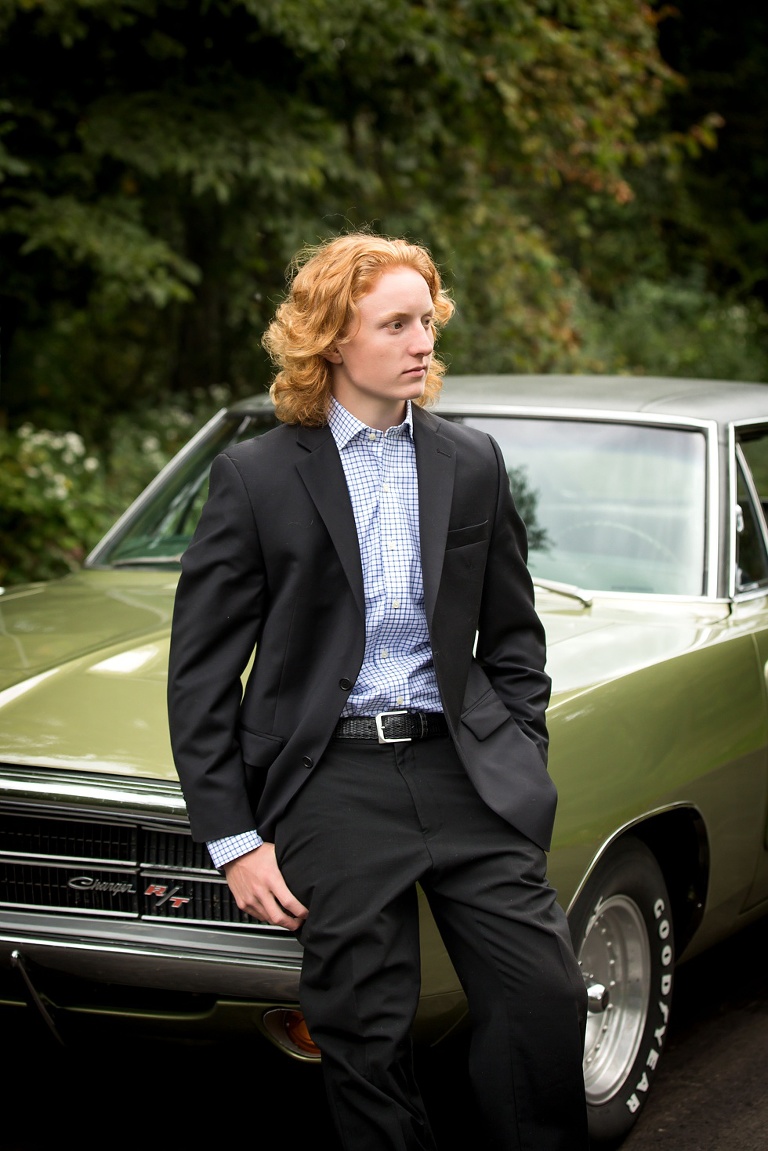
x: 344, y: 426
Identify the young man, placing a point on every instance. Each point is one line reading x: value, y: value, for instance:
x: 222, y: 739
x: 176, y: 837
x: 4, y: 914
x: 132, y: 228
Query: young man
x: 392, y: 728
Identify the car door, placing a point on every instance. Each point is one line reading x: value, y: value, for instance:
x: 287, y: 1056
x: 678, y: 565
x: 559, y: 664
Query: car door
x: 750, y: 590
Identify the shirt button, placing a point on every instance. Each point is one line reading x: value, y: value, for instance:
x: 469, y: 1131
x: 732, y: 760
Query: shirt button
x: 395, y: 603
x: 385, y: 653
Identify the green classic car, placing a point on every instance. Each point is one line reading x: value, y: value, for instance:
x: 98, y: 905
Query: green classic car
x: 645, y: 505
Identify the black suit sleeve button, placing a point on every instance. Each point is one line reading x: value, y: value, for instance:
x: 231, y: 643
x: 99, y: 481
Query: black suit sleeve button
x: 306, y: 761
x: 345, y: 684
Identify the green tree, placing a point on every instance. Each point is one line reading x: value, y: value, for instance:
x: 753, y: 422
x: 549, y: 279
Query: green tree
x: 719, y: 218
x: 160, y: 160
x: 675, y: 280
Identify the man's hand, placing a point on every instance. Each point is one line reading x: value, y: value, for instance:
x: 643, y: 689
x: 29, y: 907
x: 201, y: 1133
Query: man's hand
x: 259, y: 889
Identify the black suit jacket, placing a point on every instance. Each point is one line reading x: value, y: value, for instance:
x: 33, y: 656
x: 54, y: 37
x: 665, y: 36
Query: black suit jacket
x: 274, y: 568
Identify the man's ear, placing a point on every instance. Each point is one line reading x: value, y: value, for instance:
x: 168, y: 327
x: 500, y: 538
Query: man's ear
x: 333, y: 356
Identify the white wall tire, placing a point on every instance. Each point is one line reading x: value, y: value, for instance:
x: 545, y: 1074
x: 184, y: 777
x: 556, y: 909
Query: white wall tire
x: 623, y: 935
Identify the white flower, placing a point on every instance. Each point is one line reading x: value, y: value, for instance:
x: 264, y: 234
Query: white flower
x: 75, y: 443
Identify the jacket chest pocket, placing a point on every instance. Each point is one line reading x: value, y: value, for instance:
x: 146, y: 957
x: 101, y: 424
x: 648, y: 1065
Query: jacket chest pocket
x: 471, y: 534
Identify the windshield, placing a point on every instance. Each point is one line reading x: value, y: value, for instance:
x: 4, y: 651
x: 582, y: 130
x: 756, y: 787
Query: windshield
x: 608, y: 506
x: 158, y: 527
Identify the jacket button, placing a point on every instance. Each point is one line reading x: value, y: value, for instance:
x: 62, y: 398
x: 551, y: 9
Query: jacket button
x: 345, y: 684
x: 306, y: 761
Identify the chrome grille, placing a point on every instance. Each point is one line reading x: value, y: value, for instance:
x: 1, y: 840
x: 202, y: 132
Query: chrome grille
x: 71, y: 838
x: 175, y: 850
x: 67, y: 889
x: 76, y: 865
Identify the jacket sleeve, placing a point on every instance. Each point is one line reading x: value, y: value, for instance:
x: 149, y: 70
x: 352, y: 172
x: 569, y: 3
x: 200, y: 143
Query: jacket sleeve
x: 216, y: 624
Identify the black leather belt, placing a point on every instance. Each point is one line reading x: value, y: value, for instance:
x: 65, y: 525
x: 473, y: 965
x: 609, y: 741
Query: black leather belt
x: 392, y: 726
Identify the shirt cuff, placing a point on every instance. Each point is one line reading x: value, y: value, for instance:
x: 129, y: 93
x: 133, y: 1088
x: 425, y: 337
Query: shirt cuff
x: 225, y: 850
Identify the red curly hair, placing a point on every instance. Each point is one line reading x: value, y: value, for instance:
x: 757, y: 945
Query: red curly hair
x: 325, y: 285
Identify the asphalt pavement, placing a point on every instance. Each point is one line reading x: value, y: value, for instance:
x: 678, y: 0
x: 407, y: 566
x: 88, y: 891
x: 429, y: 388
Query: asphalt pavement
x: 711, y: 1089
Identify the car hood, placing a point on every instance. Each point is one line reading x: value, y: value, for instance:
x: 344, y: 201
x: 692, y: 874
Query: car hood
x: 83, y: 664
x: 593, y: 642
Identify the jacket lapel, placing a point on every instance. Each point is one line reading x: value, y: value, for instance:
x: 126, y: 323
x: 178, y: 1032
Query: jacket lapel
x: 436, y: 466
x: 323, y: 475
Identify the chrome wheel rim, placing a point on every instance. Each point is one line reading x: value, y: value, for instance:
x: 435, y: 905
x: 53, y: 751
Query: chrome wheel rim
x: 615, y: 955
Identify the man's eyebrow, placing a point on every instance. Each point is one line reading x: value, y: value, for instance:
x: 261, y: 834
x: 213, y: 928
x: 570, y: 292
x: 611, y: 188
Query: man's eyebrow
x: 403, y: 315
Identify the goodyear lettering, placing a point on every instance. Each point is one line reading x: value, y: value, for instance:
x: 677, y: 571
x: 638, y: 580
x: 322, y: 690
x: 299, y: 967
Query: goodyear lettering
x: 643, y: 1084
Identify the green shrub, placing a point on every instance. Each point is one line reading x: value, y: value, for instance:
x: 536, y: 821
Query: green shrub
x: 58, y: 496
x: 52, y: 496
x: 674, y: 328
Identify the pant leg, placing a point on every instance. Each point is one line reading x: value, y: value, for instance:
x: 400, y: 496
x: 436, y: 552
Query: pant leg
x: 350, y: 849
x: 370, y: 823
x: 526, y: 1044
x: 509, y: 942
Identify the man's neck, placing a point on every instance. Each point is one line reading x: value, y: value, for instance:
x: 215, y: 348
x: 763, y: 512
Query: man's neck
x: 379, y: 415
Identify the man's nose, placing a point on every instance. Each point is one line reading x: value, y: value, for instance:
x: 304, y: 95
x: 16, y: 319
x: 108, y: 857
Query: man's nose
x: 423, y: 341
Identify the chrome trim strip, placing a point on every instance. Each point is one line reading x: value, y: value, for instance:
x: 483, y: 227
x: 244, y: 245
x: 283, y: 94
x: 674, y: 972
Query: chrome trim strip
x: 594, y: 415
x: 712, y: 513
x: 678, y: 804
x: 737, y: 458
x: 221, y: 975
x: 165, y: 955
x: 131, y: 799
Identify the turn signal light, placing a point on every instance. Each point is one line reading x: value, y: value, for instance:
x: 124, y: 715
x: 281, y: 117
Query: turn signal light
x: 288, y: 1028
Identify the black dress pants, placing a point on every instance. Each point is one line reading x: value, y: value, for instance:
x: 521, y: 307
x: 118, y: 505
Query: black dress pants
x: 371, y: 822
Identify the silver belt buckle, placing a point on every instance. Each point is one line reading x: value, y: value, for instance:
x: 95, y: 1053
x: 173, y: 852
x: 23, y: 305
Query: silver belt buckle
x: 380, y: 728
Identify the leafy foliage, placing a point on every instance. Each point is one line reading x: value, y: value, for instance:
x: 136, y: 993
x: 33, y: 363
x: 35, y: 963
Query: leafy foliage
x: 588, y: 173
x: 164, y: 159
x: 40, y: 472
x: 58, y: 497
x: 677, y: 327
x: 718, y: 218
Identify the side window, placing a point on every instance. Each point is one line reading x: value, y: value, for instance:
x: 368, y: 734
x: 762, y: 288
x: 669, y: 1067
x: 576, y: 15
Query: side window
x: 752, y: 501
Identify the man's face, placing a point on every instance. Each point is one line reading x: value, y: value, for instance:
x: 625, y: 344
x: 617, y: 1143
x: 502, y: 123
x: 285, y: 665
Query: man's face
x: 384, y: 361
